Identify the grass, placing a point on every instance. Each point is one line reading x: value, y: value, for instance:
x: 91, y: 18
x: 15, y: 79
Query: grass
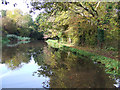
x: 111, y: 65
x: 4, y: 40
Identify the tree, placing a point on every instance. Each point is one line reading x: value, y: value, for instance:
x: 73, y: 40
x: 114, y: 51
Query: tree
x: 70, y: 20
x: 102, y: 15
x: 8, y: 25
x: 15, y: 22
x: 3, y: 12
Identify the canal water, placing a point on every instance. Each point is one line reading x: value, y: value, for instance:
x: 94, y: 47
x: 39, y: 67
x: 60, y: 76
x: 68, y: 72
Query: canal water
x: 36, y: 65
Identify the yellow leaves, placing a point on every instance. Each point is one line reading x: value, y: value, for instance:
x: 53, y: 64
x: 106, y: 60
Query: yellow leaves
x: 18, y: 28
x: 57, y: 19
x: 62, y: 18
x: 51, y: 60
x: 53, y: 33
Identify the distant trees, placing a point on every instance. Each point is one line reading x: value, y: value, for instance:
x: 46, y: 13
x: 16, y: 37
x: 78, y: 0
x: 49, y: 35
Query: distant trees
x: 19, y: 23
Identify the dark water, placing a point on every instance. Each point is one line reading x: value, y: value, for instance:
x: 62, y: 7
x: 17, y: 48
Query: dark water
x: 35, y: 65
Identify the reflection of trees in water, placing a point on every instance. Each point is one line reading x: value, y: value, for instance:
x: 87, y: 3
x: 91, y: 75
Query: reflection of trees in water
x: 14, y: 56
x: 67, y: 70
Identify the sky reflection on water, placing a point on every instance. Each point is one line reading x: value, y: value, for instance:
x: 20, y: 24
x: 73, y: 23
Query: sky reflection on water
x: 35, y: 65
x: 22, y: 77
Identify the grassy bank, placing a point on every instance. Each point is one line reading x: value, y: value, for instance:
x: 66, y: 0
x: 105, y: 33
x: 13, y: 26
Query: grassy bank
x: 111, y: 65
x: 4, y: 40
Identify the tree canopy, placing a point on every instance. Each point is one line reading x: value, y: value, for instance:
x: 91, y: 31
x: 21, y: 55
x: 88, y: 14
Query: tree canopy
x: 89, y: 23
x: 79, y: 22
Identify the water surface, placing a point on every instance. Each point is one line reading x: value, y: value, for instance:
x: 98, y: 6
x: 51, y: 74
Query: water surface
x: 35, y: 65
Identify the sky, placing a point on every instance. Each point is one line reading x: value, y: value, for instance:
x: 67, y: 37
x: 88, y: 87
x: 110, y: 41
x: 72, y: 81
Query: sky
x: 21, y: 4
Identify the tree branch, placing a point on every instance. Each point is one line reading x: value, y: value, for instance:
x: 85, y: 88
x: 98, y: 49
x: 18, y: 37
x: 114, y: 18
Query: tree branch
x: 93, y: 9
x: 86, y: 9
x: 97, y: 5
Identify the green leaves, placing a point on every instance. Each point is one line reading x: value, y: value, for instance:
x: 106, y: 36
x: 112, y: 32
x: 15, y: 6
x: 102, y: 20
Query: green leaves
x: 79, y: 21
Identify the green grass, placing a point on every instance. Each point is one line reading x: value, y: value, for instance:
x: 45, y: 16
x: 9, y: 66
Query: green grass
x: 4, y: 40
x: 111, y: 65
x: 54, y: 43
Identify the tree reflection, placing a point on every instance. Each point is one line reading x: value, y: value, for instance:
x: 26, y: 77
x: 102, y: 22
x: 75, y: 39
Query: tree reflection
x: 13, y: 57
x: 67, y: 70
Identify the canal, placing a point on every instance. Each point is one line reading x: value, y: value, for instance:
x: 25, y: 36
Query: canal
x: 36, y: 65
